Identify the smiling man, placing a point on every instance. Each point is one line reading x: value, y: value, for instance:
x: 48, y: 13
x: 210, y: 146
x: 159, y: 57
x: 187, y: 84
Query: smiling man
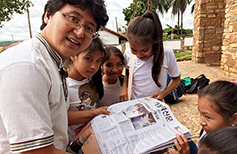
x: 33, y: 92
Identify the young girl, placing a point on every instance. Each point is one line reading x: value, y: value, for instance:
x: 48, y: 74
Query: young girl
x: 217, y: 104
x: 84, y: 87
x: 112, y: 66
x: 219, y: 141
x: 152, y: 62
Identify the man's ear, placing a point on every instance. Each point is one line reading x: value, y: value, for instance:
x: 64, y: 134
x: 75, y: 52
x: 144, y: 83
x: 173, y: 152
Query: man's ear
x: 234, y: 119
x: 47, y: 17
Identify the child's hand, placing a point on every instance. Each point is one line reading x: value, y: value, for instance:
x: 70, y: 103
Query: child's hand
x: 123, y: 95
x: 102, y: 110
x: 182, y: 145
x: 158, y: 96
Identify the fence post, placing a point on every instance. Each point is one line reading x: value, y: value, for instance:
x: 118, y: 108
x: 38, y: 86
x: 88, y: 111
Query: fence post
x: 182, y: 43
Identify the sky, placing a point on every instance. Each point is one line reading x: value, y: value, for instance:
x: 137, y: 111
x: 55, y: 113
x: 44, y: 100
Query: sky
x: 17, y: 28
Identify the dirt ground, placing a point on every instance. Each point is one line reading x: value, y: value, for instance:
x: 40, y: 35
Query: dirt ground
x: 185, y: 110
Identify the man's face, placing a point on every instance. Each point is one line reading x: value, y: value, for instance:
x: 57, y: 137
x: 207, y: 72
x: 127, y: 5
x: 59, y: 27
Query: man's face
x: 63, y: 38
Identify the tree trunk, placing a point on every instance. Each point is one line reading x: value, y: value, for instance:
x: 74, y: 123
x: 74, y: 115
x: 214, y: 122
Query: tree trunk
x: 178, y: 25
x: 181, y: 24
x: 28, y: 16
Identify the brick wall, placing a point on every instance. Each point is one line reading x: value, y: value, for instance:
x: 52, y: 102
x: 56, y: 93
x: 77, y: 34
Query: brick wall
x: 209, y: 17
x: 229, y: 48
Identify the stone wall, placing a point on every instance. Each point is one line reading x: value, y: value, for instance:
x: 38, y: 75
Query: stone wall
x: 229, y: 56
x: 209, y: 17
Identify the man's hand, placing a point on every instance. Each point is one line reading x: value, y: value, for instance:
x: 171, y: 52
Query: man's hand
x: 46, y: 150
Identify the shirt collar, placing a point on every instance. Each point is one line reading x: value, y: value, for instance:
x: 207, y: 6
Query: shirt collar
x: 59, y: 62
x: 52, y: 53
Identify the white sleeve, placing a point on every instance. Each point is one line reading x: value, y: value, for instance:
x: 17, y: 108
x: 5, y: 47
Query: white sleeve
x: 127, y: 57
x: 173, y: 68
x: 24, y: 109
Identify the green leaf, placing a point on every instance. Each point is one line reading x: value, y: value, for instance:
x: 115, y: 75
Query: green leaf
x: 9, y: 7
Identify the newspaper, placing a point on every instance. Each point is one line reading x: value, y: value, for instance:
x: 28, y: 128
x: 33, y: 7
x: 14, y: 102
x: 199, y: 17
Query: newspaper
x: 135, y: 127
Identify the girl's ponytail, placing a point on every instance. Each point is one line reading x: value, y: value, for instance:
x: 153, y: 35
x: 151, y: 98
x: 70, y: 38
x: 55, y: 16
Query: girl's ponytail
x: 147, y: 29
x: 158, y: 48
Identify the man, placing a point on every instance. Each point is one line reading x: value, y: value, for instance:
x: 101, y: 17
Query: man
x: 33, y: 113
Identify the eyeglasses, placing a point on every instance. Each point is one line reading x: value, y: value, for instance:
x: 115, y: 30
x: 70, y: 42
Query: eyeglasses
x: 76, y: 23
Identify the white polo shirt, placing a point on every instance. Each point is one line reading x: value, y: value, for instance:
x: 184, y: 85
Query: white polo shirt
x: 143, y: 85
x: 32, y: 104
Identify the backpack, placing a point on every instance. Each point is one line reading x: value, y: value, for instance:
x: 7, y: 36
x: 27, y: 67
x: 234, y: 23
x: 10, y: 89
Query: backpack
x: 180, y: 89
x: 172, y: 97
x: 196, y: 84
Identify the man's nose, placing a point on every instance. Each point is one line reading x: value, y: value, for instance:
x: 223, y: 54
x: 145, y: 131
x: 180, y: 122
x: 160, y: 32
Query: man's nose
x: 80, y: 31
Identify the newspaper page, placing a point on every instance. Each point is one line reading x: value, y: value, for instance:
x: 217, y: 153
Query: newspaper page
x: 136, y: 127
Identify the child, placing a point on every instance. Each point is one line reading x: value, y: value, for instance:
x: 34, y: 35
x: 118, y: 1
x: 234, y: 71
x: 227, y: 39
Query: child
x: 112, y: 66
x: 152, y: 62
x: 217, y: 104
x: 219, y: 141
x: 84, y: 87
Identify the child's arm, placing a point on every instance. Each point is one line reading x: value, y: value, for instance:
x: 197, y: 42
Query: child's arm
x: 77, y: 117
x: 124, y: 90
x: 174, y: 82
x: 182, y: 145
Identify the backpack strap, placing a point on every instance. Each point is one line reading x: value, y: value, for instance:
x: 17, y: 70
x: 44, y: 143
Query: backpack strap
x: 130, y: 77
x: 175, y: 98
x: 193, y: 87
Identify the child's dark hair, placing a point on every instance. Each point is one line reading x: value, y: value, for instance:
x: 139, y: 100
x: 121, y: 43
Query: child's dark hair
x: 97, y: 7
x: 147, y: 29
x: 219, y: 141
x: 112, y: 50
x: 224, y: 96
x: 97, y: 78
x: 96, y: 44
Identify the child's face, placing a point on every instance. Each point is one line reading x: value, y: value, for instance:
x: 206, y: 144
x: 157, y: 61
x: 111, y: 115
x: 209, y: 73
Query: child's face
x: 113, y: 67
x: 142, y: 51
x: 210, y: 119
x: 87, y: 64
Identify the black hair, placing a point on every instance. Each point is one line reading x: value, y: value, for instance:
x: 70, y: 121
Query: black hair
x: 147, y: 29
x: 97, y: 78
x: 224, y: 96
x: 96, y: 44
x: 97, y: 7
x: 219, y: 141
x: 112, y: 50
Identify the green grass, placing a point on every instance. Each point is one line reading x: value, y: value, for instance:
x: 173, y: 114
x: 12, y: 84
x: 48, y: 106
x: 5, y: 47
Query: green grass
x: 183, y: 55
